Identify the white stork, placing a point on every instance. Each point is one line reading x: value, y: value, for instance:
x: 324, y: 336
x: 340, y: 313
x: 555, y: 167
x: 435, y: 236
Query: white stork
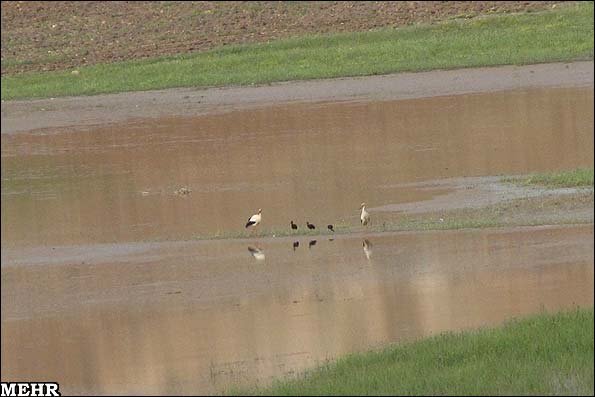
x: 254, y: 219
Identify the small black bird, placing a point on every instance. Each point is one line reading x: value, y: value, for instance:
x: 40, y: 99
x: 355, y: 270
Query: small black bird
x: 310, y: 226
x: 311, y: 243
x: 330, y: 227
x: 296, y: 244
x: 293, y: 225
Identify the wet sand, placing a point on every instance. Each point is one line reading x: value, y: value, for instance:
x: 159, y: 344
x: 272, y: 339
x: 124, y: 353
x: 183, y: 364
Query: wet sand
x: 199, y: 317
x: 23, y: 116
x: 473, y: 192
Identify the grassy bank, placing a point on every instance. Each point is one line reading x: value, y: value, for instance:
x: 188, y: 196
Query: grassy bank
x: 557, y: 35
x: 541, y: 355
x: 572, y: 178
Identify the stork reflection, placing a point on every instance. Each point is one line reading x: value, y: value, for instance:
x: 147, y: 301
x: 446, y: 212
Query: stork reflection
x: 256, y: 253
x: 367, y: 248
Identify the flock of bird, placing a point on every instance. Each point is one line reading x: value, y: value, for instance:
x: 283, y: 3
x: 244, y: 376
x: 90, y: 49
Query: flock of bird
x: 257, y: 218
x: 258, y: 253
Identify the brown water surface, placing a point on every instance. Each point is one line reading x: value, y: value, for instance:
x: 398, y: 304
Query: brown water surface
x: 301, y: 162
x: 94, y: 298
x: 199, y: 317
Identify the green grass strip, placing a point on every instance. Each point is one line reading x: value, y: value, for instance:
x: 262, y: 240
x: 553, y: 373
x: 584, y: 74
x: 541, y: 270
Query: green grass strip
x: 573, y: 178
x: 562, y: 34
x: 541, y: 355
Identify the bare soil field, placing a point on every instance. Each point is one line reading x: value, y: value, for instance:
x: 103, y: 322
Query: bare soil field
x: 43, y: 36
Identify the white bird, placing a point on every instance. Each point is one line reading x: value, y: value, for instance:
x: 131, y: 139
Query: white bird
x: 254, y: 219
x: 365, y: 216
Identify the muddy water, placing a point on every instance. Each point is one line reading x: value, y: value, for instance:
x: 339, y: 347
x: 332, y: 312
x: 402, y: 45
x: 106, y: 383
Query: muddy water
x: 199, y: 317
x: 301, y: 162
x: 93, y: 298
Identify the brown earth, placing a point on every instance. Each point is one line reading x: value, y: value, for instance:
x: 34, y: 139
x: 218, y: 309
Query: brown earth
x: 43, y: 36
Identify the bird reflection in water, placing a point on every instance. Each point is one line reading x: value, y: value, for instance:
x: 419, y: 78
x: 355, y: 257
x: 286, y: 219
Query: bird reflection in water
x: 367, y: 248
x: 256, y: 253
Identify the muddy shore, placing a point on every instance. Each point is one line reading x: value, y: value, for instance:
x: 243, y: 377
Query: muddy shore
x: 23, y: 116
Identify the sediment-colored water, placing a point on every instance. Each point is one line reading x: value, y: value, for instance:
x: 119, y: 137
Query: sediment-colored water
x: 94, y: 298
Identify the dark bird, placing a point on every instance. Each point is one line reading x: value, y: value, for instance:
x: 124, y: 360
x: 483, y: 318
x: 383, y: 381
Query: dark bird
x: 330, y: 227
x: 310, y: 226
x: 293, y: 225
x: 296, y: 244
x: 311, y: 243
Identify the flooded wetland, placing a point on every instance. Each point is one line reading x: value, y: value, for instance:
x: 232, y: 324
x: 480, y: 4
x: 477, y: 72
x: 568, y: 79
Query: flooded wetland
x: 113, y: 282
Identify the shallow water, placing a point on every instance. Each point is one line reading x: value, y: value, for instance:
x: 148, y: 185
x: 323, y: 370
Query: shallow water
x: 93, y: 298
x: 200, y: 317
x: 301, y: 162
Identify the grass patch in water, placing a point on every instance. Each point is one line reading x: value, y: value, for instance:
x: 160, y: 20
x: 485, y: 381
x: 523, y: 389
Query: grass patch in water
x: 573, y: 178
x: 543, y: 354
x: 389, y: 226
x: 563, y: 34
x: 534, y: 211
